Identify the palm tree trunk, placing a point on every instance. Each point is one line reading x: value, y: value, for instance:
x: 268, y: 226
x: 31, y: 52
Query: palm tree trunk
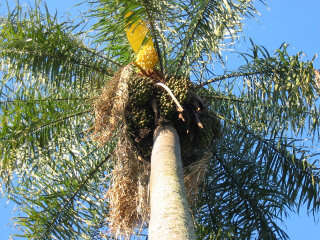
x: 170, y: 213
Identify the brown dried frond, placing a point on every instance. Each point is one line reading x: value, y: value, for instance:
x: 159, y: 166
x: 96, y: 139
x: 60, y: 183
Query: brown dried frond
x: 128, y: 192
x: 194, y: 176
x: 110, y: 106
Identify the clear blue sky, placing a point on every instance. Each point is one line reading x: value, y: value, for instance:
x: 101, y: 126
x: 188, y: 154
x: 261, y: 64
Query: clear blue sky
x: 296, y: 22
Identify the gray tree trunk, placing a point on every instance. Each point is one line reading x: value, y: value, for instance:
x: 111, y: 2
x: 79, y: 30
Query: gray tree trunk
x: 170, y: 213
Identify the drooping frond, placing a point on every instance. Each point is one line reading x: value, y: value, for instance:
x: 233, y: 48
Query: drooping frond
x: 288, y: 86
x: 267, y: 169
x: 60, y: 190
x: 270, y: 93
x: 33, y: 124
x: 45, y: 68
x: 36, y: 44
x: 251, y: 182
x: 47, y: 165
x: 51, y: 74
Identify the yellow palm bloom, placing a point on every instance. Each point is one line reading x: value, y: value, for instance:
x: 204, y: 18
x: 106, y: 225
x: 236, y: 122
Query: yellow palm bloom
x: 146, y: 54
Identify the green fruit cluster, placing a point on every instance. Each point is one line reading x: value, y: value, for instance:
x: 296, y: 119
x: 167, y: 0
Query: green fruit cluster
x: 180, y: 89
x: 138, y: 111
x: 139, y: 114
x: 140, y: 90
x: 138, y: 117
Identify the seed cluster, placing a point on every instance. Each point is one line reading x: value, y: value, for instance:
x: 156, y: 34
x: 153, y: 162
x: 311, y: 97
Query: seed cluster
x: 140, y: 90
x: 180, y: 89
x: 141, y: 122
x: 139, y: 114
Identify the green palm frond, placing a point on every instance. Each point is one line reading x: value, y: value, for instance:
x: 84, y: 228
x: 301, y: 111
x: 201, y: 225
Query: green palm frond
x: 32, y: 119
x: 250, y: 185
x: 51, y: 74
x: 288, y: 86
x: 270, y: 93
x: 259, y: 161
x: 49, y: 79
x: 64, y: 196
x: 110, y: 27
x: 46, y: 69
x: 183, y: 31
x: 51, y: 52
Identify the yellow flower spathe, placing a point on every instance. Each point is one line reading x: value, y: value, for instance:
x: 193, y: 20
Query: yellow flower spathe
x: 146, y: 54
x: 147, y: 58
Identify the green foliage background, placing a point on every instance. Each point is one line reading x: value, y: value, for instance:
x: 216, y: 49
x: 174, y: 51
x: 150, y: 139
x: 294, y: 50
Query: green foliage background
x: 52, y: 70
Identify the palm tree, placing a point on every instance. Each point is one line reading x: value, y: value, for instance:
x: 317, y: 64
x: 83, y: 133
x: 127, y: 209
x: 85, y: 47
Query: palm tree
x: 253, y: 168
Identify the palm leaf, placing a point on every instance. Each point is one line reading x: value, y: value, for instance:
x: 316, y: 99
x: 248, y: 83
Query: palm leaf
x: 183, y: 31
x: 64, y: 196
x: 45, y: 67
x: 51, y: 73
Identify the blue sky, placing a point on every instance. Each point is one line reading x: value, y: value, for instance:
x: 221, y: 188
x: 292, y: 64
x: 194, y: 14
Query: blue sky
x: 293, y: 21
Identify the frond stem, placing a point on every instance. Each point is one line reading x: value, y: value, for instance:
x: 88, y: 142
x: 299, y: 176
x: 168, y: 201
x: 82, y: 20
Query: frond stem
x: 59, y: 120
x: 189, y: 41
x: 43, y: 100
x: 101, y: 56
x: 227, y: 76
x: 70, y: 59
x: 218, y: 97
x: 82, y: 184
x: 34, y: 130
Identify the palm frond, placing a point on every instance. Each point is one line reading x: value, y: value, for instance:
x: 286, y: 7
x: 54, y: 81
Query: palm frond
x: 50, y: 72
x: 43, y: 63
x: 285, y: 89
x: 256, y: 162
x: 238, y: 199
x: 28, y: 123
x: 183, y: 31
x: 110, y: 27
x: 283, y: 156
x: 51, y: 52
x: 64, y: 196
x: 270, y: 93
